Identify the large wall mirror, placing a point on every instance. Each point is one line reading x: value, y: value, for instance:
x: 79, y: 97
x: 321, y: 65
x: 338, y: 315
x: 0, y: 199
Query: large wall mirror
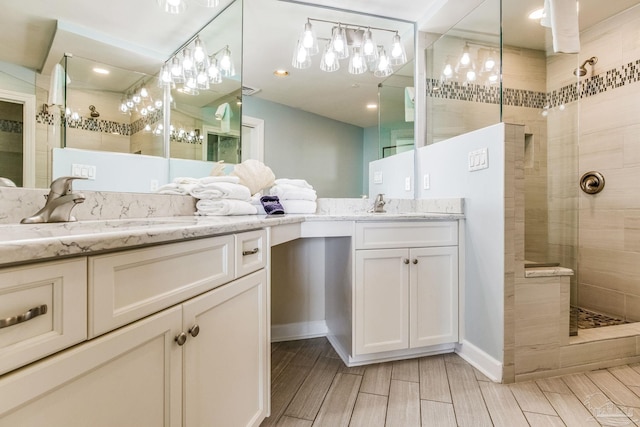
x: 322, y: 124
x: 120, y: 125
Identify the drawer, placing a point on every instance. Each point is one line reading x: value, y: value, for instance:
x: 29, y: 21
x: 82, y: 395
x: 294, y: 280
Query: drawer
x: 43, y: 308
x: 126, y: 286
x: 251, y: 252
x: 409, y: 234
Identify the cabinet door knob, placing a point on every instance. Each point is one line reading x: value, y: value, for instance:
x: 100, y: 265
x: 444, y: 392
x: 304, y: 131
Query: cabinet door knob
x: 406, y: 260
x: 194, y: 330
x: 415, y: 260
x: 181, y: 338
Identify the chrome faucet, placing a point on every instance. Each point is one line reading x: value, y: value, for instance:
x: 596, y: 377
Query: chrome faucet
x: 60, y: 201
x: 378, y: 204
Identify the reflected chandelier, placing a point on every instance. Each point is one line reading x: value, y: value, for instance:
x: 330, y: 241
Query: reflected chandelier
x: 355, y: 42
x: 484, y: 67
x: 192, y: 69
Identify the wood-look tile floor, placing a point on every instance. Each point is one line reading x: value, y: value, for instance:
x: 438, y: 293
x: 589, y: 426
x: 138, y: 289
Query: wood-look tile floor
x: 312, y: 387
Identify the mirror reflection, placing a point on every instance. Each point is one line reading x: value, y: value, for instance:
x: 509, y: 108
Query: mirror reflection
x: 175, y: 114
x: 317, y: 124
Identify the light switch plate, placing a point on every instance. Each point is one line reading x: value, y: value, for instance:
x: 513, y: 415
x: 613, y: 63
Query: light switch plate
x: 426, y: 182
x: 407, y: 183
x: 377, y: 177
x: 478, y: 159
x: 83, y: 171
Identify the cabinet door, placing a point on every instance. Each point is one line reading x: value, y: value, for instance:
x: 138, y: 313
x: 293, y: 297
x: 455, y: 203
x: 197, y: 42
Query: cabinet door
x: 226, y: 365
x: 434, y: 296
x: 128, y: 378
x: 381, y: 300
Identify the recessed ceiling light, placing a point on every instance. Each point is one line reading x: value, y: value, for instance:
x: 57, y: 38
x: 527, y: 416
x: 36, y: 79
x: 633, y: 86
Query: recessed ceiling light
x: 100, y: 70
x: 372, y: 106
x: 537, y: 14
x: 281, y: 73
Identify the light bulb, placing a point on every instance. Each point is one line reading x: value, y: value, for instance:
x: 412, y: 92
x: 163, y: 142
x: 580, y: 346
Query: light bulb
x: 136, y: 98
x: 123, y: 108
x: 187, y: 60
x: 144, y: 112
x: 165, y: 74
x: 191, y: 83
x: 471, y: 75
x: 144, y: 92
x: 383, y: 63
x: 465, y: 59
x: 198, y: 51
x: 330, y: 58
x: 307, y: 38
x: 448, y: 70
x: 302, y: 54
x: 493, y: 78
x: 225, y: 61
x: 176, y: 68
x: 489, y: 63
x: 396, y: 49
x: 158, y: 103
x: 202, y: 78
x: 368, y: 45
x: 147, y: 128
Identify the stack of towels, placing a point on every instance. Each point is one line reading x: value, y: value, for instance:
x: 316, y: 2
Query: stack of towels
x: 217, y: 195
x: 296, y: 196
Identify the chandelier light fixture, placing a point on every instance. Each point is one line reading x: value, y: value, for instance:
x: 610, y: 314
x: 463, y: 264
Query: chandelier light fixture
x: 178, y: 6
x: 191, y: 69
x: 355, y: 42
x: 138, y: 99
x: 482, y: 67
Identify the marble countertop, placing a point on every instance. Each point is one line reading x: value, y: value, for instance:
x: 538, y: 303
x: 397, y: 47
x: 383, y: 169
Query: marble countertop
x: 22, y: 243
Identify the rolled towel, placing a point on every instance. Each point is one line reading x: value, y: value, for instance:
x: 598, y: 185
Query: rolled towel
x: 299, y: 206
x: 221, y: 190
x: 297, y: 182
x: 292, y: 192
x: 225, y: 207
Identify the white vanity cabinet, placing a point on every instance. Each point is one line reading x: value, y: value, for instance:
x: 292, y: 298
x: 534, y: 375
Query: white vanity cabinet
x: 405, y: 293
x: 193, y: 350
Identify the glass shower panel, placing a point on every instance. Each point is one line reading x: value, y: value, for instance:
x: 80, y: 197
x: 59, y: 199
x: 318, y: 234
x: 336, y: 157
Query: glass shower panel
x: 463, y: 75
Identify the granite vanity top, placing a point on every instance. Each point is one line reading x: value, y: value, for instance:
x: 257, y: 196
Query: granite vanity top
x: 22, y: 243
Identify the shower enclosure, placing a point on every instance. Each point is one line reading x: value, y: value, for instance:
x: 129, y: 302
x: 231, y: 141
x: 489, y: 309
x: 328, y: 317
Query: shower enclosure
x: 581, y: 115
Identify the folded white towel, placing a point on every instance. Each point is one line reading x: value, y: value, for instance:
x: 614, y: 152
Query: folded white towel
x: 219, y: 178
x: 173, y: 188
x: 225, y: 207
x: 221, y: 190
x: 293, y: 192
x: 298, y: 206
x: 562, y: 17
x: 297, y: 182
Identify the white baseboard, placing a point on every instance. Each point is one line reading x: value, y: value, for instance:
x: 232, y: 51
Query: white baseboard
x: 480, y: 360
x: 298, y: 331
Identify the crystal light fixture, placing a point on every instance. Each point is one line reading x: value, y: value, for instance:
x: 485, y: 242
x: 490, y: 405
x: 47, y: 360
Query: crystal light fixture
x: 194, y: 69
x: 480, y: 65
x: 349, y: 41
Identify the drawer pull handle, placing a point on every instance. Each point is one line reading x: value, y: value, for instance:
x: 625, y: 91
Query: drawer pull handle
x: 194, y: 330
x: 181, y: 338
x: 251, y: 252
x: 415, y: 260
x: 405, y: 260
x: 20, y: 318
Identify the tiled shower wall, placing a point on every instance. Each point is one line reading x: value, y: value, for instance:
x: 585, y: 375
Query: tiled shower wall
x: 594, y: 125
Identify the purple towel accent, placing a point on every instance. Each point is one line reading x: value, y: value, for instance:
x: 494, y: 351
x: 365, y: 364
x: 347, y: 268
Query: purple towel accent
x: 272, y: 205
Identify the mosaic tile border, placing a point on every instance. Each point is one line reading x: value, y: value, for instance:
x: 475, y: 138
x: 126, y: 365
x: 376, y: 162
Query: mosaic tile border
x: 11, y: 126
x: 104, y: 126
x: 612, y: 79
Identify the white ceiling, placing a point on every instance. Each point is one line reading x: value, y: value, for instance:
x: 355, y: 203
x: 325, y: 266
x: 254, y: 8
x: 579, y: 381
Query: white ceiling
x: 138, y: 35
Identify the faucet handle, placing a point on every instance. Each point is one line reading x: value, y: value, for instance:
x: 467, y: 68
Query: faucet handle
x: 62, y: 185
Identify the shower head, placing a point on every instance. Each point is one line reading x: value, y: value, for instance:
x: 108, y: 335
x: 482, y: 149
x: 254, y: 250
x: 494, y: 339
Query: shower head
x: 582, y: 70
